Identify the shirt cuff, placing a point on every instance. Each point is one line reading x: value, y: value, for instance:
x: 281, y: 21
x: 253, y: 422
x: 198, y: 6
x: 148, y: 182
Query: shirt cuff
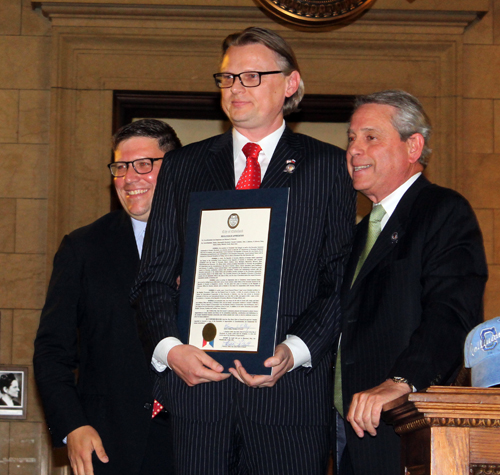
x: 300, y: 351
x: 160, y: 355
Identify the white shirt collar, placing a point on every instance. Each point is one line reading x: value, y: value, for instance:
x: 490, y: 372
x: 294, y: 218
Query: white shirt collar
x: 139, y: 232
x: 391, y: 201
x: 268, y: 145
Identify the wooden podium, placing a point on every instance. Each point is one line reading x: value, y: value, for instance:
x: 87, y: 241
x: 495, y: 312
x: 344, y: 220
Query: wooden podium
x: 448, y: 431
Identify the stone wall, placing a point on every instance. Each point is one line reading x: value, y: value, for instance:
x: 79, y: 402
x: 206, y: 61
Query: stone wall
x: 479, y: 178
x: 25, y: 46
x: 57, y: 74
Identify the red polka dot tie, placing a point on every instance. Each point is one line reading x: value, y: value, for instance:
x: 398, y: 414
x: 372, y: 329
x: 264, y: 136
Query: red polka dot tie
x: 250, y: 178
x: 157, y: 408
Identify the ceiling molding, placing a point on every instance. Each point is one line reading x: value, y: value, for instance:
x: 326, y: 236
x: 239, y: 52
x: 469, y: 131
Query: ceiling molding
x: 62, y: 12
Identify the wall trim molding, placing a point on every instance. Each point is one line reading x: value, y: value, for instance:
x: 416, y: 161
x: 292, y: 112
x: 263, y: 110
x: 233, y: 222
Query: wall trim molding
x: 71, y: 12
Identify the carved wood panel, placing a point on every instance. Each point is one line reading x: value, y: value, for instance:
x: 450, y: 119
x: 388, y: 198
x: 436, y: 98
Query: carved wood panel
x: 484, y: 469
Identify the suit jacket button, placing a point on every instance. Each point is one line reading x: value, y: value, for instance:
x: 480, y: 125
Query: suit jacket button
x: 147, y: 406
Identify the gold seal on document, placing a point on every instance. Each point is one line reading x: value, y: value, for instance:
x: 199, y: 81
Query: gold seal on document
x: 209, y: 332
x: 315, y: 13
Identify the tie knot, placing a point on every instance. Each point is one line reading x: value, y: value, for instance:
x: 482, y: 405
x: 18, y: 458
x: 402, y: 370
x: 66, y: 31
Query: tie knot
x: 377, y: 214
x: 251, y: 150
x: 250, y: 178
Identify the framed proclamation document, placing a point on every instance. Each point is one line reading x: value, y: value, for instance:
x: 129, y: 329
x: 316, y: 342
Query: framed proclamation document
x: 230, y: 283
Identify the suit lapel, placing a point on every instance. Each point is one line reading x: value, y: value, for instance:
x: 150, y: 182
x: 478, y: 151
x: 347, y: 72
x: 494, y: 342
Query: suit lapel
x: 287, y: 151
x: 220, y: 162
x: 393, y: 231
x: 357, y: 248
x: 122, y: 249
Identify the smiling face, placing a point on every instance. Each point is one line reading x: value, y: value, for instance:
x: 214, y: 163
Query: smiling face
x: 256, y: 111
x: 378, y: 160
x: 135, y: 191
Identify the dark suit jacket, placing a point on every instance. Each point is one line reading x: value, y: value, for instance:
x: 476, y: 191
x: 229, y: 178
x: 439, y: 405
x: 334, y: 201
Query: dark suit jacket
x: 319, y: 231
x: 409, y: 310
x: 88, y: 324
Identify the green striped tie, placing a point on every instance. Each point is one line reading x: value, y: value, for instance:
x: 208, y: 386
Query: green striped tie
x: 374, y: 229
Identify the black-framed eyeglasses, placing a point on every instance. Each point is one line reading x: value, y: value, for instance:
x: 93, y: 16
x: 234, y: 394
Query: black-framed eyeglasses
x: 141, y: 166
x: 247, y: 79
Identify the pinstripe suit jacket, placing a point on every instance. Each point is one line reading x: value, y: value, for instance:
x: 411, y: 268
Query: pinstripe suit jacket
x: 319, y: 231
x: 408, y: 312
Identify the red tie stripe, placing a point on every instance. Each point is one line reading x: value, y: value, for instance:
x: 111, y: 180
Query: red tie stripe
x: 250, y: 178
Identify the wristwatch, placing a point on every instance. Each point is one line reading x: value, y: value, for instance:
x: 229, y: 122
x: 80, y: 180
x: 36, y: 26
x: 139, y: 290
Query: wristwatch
x: 400, y: 379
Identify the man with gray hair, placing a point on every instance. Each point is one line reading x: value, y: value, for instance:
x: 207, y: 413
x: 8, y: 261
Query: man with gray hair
x: 234, y: 422
x: 413, y: 286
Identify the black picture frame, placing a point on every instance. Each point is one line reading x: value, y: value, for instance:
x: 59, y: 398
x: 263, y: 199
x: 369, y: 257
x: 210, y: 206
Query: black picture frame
x: 19, y: 409
x: 275, y: 199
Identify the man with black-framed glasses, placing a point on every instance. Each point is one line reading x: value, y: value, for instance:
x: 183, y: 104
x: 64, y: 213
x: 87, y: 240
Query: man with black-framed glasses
x: 87, y: 324
x: 227, y: 421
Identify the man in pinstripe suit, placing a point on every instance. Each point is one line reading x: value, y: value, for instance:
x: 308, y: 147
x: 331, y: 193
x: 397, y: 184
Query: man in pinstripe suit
x: 253, y: 424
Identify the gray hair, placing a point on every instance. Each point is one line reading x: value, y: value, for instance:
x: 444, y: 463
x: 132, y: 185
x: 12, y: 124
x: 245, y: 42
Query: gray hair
x: 285, y: 57
x: 409, y: 119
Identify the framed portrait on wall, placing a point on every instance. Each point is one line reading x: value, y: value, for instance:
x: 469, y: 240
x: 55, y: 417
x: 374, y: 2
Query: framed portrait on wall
x: 13, y: 382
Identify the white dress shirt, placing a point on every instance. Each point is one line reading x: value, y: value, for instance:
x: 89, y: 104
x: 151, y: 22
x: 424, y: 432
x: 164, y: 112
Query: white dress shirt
x: 139, y: 232
x: 300, y: 351
x: 391, y: 201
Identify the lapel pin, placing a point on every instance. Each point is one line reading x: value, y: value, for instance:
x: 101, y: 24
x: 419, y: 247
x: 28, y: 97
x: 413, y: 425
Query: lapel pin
x: 394, y: 237
x: 290, y: 166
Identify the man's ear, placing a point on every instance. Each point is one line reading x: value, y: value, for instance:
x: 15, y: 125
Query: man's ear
x: 415, y: 145
x: 293, y: 83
